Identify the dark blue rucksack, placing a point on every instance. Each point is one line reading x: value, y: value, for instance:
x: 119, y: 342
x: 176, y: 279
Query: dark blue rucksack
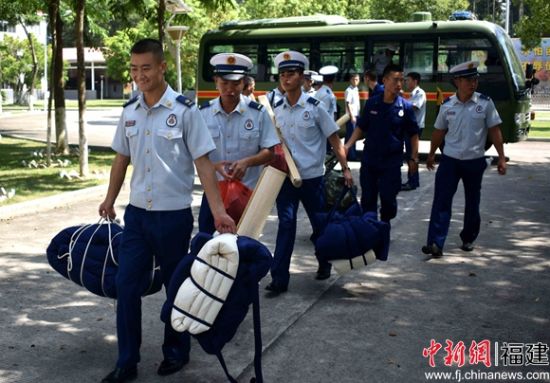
x: 254, y: 263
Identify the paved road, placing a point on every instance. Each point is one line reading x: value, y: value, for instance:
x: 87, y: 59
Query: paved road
x: 370, y: 325
x: 100, y: 125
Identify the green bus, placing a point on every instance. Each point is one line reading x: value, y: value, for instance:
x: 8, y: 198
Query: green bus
x: 430, y: 48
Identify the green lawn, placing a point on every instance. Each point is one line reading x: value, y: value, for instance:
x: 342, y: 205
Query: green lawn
x: 30, y: 183
x: 540, y: 127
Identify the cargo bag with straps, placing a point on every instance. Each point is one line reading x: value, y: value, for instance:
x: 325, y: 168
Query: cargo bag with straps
x: 212, y: 288
x: 88, y: 256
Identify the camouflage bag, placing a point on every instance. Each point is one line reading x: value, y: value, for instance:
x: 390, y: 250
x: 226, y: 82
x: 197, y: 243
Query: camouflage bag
x: 334, y: 185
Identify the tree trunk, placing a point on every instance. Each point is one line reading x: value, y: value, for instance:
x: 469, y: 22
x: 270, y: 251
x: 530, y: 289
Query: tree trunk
x: 81, y: 79
x: 34, y: 64
x: 160, y: 20
x: 62, y: 138
x: 53, y: 6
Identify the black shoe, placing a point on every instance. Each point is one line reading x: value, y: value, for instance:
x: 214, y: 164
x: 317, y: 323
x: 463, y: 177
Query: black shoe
x: 323, y: 273
x: 407, y: 187
x: 434, y: 250
x: 121, y: 375
x: 467, y: 246
x: 169, y: 366
x: 273, y: 290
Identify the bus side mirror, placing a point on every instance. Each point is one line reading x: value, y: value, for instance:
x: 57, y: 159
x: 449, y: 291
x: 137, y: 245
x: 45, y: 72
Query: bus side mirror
x: 529, y: 72
x: 530, y: 76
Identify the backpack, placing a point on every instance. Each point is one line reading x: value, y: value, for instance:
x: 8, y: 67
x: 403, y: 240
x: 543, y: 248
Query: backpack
x: 254, y: 262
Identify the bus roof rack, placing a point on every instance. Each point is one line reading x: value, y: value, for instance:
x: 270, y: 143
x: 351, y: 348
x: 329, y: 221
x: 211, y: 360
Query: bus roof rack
x: 370, y: 21
x: 293, y: 21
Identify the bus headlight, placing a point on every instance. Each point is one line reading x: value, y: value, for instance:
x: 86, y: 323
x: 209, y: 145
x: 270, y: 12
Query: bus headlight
x: 518, y: 118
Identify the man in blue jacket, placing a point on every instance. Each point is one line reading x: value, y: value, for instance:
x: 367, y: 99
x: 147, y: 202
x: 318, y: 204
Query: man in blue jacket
x: 386, y: 119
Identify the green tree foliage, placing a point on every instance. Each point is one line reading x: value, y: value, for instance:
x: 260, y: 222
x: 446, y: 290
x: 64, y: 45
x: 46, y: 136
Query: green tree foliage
x: 401, y: 10
x: 535, y: 24
x: 16, y: 61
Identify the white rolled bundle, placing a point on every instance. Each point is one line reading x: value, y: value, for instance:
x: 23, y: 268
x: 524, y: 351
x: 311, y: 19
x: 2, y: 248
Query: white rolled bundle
x: 201, y: 296
x: 343, y: 266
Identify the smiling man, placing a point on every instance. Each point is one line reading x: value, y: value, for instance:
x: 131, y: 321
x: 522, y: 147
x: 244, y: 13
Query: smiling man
x: 162, y: 134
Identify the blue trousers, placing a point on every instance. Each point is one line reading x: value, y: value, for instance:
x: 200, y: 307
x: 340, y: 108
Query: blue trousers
x: 311, y: 194
x: 449, y: 172
x: 206, y: 219
x: 413, y: 179
x: 164, y: 236
x: 383, y: 182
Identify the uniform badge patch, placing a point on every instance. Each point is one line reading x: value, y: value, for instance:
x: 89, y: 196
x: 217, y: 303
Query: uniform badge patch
x: 249, y: 124
x: 129, y: 123
x: 451, y: 113
x: 171, y: 121
x: 400, y: 113
x: 374, y: 112
x: 479, y: 109
x: 306, y: 115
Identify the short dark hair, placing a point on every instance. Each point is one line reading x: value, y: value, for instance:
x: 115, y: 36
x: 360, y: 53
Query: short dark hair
x: 415, y: 76
x: 391, y: 68
x: 370, y: 75
x: 248, y: 80
x: 149, y: 45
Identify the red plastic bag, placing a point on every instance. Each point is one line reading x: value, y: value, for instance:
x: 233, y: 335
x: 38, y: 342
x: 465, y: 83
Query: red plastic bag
x: 235, y: 196
x: 279, y: 161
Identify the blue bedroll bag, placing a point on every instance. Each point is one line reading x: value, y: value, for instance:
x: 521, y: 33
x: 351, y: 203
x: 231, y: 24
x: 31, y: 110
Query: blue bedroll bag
x: 254, y: 263
x: 351, y: 234
x: 88, y: 256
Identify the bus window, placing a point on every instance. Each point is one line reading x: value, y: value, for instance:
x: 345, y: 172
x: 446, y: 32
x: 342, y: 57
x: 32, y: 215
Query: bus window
x: 273, y: 49
x: 250, y: 50
x: 348, y: 56
x: 453, y: 51
x: 419, y: 57
x: 383, y: 53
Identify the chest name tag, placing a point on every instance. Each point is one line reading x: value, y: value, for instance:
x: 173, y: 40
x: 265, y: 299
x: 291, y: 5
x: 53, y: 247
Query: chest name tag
x: 129, y: 123
x: 172, y: 120
x: 375, y: 112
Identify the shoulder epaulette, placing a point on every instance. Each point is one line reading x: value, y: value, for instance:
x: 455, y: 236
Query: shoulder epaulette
x: 204, y: 105
x: 255, y: 105
x: 484, y: 97
x: 185, y: 101
x: 131, y: 101
x: 278, y: 103
x: 313, y: 101
x: 446, y: 100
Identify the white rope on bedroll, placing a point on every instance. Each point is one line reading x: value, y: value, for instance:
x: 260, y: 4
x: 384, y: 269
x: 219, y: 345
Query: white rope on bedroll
x: 109, y: 253
x: 203, y: 293
x: 343, y: 266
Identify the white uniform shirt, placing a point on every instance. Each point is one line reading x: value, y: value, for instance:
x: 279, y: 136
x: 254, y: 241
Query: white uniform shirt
x: 305, y: 128
x: 352, y: 99
x: 239, y: 134
x: 467, y: 125
x: 274, y: 96
x: 328, y: 99
x: 418, y: 99
x: 162, y: 141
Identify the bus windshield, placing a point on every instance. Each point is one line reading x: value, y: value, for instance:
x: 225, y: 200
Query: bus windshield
x: 516, y: 69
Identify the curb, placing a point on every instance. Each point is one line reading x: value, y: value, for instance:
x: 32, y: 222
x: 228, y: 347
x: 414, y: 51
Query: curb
x: 50, y: 202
